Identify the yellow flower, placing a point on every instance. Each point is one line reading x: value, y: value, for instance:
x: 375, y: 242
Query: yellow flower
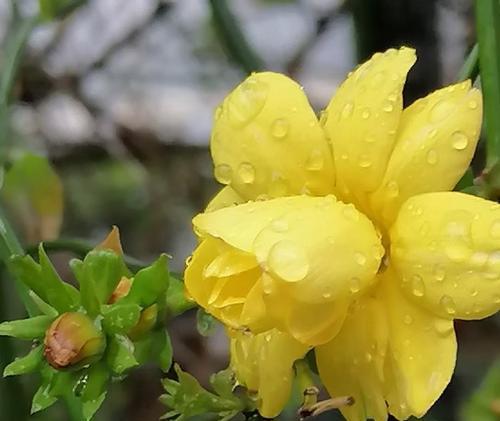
x: 342, y: 234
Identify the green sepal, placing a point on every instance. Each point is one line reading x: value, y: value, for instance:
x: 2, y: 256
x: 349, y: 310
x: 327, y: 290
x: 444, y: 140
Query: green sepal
x: 88, y: 294
x: 26, y: 364
x: 176, y: 300
x: 89, y: 408
x: 120, y: 318
x: 92, y: 382
x: 120, y: 355
x: 44, y: 307
x: 149, y: 283
x: 205, y: 323
x: 42, y: 399
x: 32, y: 328
x: 155, y: 347
x: 223, y: 383
x: 43, y: 280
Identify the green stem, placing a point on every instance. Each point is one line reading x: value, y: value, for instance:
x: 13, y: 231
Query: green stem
x: 80, y: 248
x: 13, y: 52
x: 488, y: 34
x: 233, y: 39
x: 470, y: 68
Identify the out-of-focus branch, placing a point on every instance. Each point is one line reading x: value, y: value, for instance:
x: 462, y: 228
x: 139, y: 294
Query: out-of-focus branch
x: 233, y: 39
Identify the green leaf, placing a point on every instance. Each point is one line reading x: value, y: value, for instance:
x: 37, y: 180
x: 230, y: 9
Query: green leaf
x: 33, y: 194
x: 31, y: 328
x: 26, y: 364
x: 176, y: 300
x: 44, y: 308
x: 52, y: 9
x: 149, y: 283
x: 488, y: 34
x: 161, y: 349
x: 56, y: 290
x: 92, y: 383
x: 92, y: 406
x: 205, y: 323
x: 223, y: 383
x: 121, y: 354
x: 88, y: 293
x: 480, y: 407
x: 120, y: 318
x: 42, y: 399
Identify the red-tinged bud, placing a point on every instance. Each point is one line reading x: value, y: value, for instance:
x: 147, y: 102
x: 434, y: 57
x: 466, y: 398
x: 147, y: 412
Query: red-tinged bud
x: 73, y: 339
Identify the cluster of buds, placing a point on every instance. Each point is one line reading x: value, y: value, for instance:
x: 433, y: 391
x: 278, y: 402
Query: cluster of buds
x: 85, y: 337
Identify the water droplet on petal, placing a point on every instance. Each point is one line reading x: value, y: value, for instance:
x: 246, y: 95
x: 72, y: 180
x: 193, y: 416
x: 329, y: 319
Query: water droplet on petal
x: 355, y: 285
x: 365, y: 114
x: 279, y: 225
x: 350, y: 212
x: 472, y: 104
x: 443, y: 327
x: 323, y: 116
x: 364, y: 161
x: 432, y: 157
x: 370, y: 139
x: 392, y: 189
x: 246, y: 101
x: 388, y: 107
x: 316, y: 161
x: 288, y: 261
x: 280, y: 128
x: 448, y: 304
x: 439, y: 273
x: 459, y: 141
x: 495, y: 229
x: 441, y: 110
x: 408, y: 320
x: 417, y: 285
x: 223, y: 173
x: 360, y: 259
x: 246, y: 172
x: 347, y: 110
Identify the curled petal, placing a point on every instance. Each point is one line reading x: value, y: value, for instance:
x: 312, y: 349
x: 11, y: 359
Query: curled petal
x: 352, y: 363
x: 446, y: 249
x: 267, y: 141
x: 362, y: 119
x: 436, y: 140
x: 421, y: 354
x: 264, y: 364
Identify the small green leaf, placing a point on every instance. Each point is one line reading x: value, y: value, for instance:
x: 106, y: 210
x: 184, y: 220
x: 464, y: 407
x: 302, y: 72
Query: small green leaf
x: 223, y: 383
x: 121, y: 354
x: 480, y: 406
x: 120, y: 318
x: 34, y: 327
x: 58, y: 295
x: 42, y: 399
x: 205, y: 323
x: 149, y: 283
x: 26, y: 364
x: 103, y: 269
x: 161, y: 349
x: 88, y: 293
x: 90, y: 407
x: 44, y: 308
x: 177, y: 302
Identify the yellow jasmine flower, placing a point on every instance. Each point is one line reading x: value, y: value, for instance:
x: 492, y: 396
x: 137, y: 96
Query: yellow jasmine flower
x: 341, y: 234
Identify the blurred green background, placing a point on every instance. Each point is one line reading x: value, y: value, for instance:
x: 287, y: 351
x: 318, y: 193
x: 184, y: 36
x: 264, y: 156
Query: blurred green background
x: 119, y: 96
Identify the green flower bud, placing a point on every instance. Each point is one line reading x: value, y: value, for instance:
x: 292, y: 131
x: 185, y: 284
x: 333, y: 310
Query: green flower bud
x: 73, y: 339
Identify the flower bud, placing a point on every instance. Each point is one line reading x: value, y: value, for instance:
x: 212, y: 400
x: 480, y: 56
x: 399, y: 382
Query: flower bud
x: 121, y: 290
x: 71, y: 339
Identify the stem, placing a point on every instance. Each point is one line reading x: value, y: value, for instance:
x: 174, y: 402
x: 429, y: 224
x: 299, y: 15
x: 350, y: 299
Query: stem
x: 232, y: 37
x: 470, y: 68
x: 488, y: 34
x: 80, y: 248
x: 14, y: 49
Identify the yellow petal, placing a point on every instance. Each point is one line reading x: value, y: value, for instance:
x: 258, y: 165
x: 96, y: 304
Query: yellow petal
x: 436, y: 140
x: 362, y: 119
x: 446, y: 249
x: 421, y: 354
x: 267, y: 141
x: 227, y: 196
x: 264, y: 364
x: 352, y: 363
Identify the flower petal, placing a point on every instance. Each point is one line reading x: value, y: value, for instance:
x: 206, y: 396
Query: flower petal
x: 421, y: 354
x: 362, y: 118
x: 226, y: 197
x: 436, y: 140
x: 267, y: 141
x: 352, y: 363
x: 264, y: 364
x: 446, y: 249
